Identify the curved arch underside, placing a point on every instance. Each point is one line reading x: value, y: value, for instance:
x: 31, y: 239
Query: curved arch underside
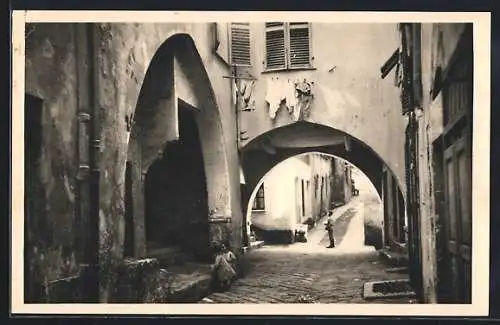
x: 277, y: 145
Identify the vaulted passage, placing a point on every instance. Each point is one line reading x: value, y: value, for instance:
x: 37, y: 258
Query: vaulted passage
x: 273, y: 147
x: 176, y: 207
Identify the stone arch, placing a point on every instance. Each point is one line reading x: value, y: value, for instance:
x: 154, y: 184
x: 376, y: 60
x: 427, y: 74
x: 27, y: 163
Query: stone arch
x: 176, y: 80
x: 304, y: 137
x: 267, y: 150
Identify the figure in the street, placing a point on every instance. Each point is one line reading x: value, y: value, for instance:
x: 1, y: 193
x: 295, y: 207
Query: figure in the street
x: 224, y: 267
x: 329, y: 229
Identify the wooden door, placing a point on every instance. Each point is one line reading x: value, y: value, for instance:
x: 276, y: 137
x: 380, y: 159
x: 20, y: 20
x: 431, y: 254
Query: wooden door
x: 457, y: 105
x: 458, y: 219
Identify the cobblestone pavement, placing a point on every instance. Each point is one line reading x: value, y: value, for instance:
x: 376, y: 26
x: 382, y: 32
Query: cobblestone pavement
x: 310, y: 272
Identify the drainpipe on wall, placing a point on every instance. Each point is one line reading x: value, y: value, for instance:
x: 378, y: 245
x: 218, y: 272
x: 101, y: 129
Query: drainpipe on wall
x: 94, y: 153
x: 82, y: 200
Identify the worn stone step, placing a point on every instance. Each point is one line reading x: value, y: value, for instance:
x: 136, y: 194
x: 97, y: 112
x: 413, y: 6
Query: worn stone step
x: 393, y: 259
x: 189, y: 288
x: 253, y: 245
x: 400, y: 270
x: 169, y: 256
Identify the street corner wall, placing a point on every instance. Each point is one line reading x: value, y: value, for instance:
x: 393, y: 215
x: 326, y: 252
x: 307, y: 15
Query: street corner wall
x: 123, y: 53
x: 119, y: 72
x: 51, y: 77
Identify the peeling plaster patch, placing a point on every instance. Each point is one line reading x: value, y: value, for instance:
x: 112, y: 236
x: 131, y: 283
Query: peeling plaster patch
x: 103, y: 63
x: 145, y: 57
x: 114, y: 70
x: 47, y: 49
x: 103, y: 232
x: 69, y: 189
x: 129, y: 70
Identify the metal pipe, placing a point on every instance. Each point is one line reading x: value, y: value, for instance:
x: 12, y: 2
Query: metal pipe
x: 94, y: 162
x: 82, y: 201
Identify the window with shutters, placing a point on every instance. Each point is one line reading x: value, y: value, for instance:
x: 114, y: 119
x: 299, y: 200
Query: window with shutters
x: 288, y: 45
x: 240, y: 44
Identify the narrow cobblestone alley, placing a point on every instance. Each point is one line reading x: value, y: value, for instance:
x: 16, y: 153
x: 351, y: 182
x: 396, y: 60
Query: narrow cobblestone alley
x: 168, y: 158
x: 310, y: 272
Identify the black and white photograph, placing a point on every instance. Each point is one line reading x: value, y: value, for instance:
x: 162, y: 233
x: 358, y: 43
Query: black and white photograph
x: 334, y: 162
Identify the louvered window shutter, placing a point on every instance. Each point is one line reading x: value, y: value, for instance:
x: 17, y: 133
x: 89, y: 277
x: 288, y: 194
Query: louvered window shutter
x: 406, y: 87
x: 407, y: 69
x: 300, y: 55
x: 240, y: 44
x: 275, y: 46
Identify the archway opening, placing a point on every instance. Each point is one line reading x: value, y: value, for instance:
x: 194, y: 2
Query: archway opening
x: 269, y: 149
x: 176, y: 205
x: 293, y: 200
x: 178, y: 163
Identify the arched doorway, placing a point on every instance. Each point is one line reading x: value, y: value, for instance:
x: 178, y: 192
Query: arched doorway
x: 177, y: 159
x: 176, y: 206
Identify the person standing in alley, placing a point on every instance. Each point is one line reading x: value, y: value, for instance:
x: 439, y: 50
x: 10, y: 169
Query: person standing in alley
x: 329, y: 229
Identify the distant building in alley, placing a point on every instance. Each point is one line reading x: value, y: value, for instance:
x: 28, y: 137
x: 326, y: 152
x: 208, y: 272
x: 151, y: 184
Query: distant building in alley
x: 296, y: 193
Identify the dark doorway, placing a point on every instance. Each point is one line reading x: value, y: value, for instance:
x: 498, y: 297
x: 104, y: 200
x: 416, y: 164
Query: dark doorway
x: 385, y: 203
x: 34, y: 203
x: 402, y: 217
x: 176, y: 204
x: 395, y: 212
x: 246, y: 239
x: 129, y: 215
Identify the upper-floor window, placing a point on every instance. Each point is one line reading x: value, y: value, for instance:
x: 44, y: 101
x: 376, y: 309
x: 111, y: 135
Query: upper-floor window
x: 240, y: 44
x: 288, y: 45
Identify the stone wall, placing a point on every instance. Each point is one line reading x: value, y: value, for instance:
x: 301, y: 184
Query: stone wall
x: 53, y: 251
x: 118, y: 57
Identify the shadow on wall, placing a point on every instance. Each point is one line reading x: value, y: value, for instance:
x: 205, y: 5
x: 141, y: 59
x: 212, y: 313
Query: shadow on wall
x: 273, y: 236
x: 374, y: 222
x: 374, y: 215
